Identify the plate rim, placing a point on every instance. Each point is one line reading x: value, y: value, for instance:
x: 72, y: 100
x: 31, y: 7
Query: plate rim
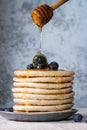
x: 38, y: 116
x: 35, y: 113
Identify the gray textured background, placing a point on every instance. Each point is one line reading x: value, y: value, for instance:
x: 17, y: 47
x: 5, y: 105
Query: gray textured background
x: 64, y: 40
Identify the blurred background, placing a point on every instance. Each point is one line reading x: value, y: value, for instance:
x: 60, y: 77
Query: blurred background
x: 64, y: 41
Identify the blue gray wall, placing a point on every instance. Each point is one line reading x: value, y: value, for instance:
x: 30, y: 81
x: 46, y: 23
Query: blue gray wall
x: 64, y: 40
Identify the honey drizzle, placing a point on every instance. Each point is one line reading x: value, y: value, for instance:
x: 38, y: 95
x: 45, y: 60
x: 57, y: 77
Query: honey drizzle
x: 40, y: 31
x: 25, y: 92
x: 27, y: 76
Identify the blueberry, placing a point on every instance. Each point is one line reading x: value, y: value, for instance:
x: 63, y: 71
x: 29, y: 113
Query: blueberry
x: 41, y: 66
x: 85, y: 119
x: 39, y: 58
x: 77, y: 117
x: 11, y: 109
x: 6, y: 109
x: 35, y: 66
x: 30, y: 66
x: 53, y: 65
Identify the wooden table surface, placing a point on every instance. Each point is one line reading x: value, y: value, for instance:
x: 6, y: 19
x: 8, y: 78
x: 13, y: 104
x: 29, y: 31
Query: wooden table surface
x: 57, y: 125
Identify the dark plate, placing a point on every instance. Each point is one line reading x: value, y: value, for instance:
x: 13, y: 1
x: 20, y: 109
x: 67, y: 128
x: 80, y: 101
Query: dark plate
x: 37, y: 116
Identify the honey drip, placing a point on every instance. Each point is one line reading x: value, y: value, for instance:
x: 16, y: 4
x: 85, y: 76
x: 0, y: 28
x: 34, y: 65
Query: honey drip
x: 40, y: 31
x: 25, y: 92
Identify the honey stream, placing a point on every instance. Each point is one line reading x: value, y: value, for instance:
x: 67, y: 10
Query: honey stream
x: 40, y: 46
x: 27, y: 76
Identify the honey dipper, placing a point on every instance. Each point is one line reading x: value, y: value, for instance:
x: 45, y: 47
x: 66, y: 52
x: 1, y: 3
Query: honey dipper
x: 42, y: 14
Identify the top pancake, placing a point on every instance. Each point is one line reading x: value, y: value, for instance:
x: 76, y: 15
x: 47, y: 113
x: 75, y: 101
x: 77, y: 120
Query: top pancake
x: 43, y: 73
x: 43, y: 79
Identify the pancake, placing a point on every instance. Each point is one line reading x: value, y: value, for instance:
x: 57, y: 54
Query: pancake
x: 42, y: 102
x: 37, y: 90
x: 43, y: 73
x: 43, y: 97
x: 36, y: 112
x: 41, y: 91
x: 42, y: 108
x: 43, y: 85
x: 43, y: 79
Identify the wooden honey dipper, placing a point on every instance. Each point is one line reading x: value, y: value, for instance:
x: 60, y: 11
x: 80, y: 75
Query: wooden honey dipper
x: 42, y: 14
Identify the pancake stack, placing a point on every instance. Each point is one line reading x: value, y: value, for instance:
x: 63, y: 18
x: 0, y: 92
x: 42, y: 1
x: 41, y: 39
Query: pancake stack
x: 43, y: 90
